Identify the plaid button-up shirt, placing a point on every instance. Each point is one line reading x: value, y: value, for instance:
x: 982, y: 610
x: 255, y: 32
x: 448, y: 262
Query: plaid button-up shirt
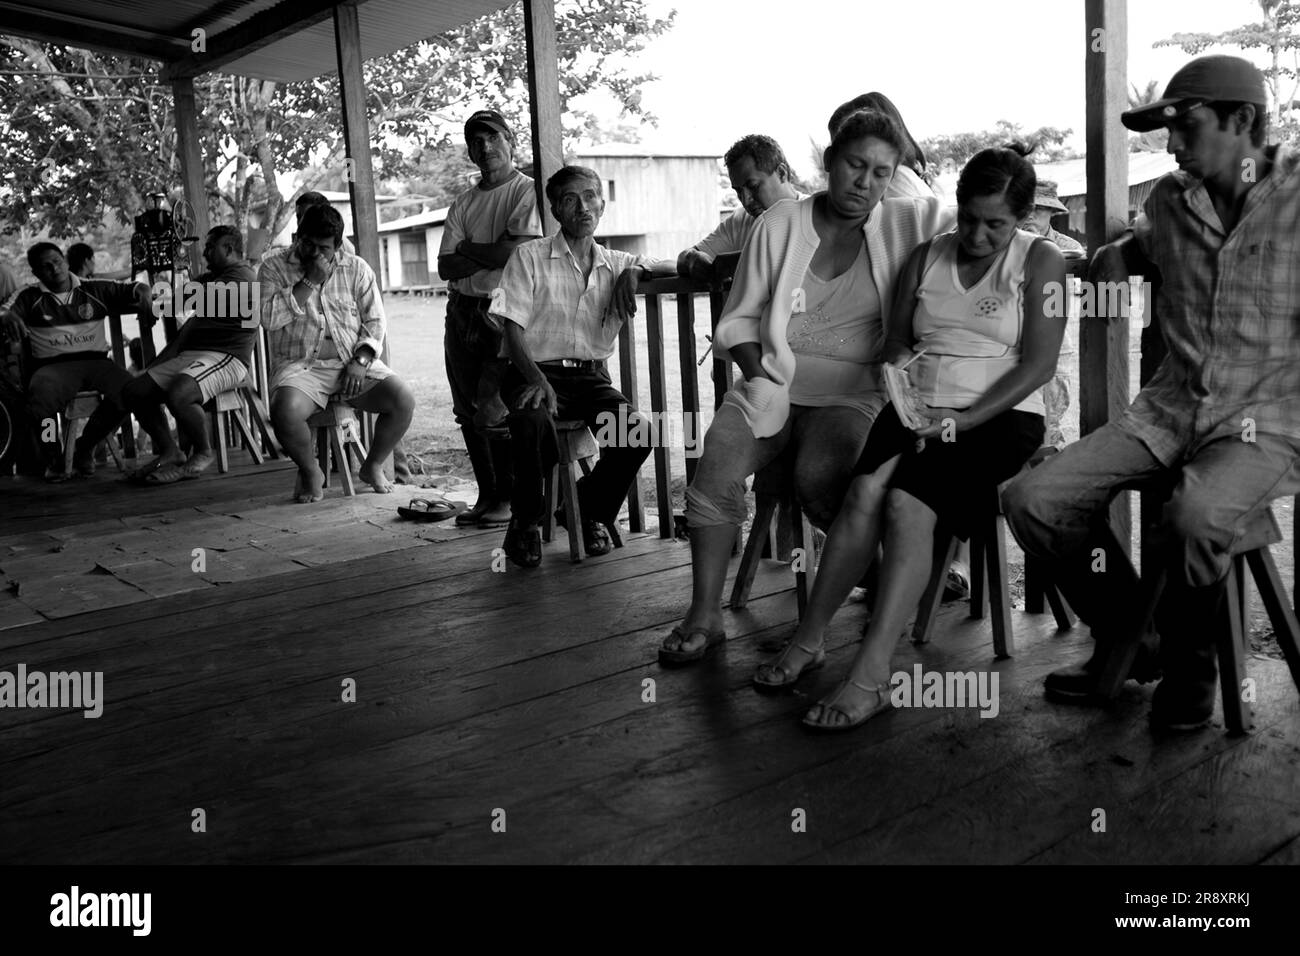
x: 563, y: 315
x: 1229, y: 311
x: 347, y: 306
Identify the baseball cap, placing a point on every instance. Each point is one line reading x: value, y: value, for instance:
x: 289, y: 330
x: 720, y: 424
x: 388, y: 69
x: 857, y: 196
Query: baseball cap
x: 489, y: 118
x: 1205, y: 79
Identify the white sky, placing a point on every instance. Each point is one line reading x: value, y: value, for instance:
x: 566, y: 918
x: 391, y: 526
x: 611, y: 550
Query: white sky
x: 731, y: 67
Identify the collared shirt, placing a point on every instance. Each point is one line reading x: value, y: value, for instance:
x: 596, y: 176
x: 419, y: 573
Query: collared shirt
x: 347, y: 309
x: 733, y: 232
x: 70, y: 325
x: 543, y: 291
x: 1229, y: 311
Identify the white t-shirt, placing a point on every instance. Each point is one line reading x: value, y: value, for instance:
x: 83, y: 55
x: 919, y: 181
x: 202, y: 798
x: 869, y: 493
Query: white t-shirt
x: 483, y: 215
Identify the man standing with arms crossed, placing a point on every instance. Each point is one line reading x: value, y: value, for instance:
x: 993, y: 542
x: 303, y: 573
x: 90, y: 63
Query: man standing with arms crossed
x: 484, y: 225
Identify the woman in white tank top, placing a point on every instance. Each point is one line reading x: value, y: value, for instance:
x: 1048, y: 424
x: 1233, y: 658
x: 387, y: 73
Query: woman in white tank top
x: 975, y: 301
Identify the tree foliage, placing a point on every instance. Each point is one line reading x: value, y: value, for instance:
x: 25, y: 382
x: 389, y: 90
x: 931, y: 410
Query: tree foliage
x: 89, y: 135
x: 954, y: 150
x: 1279, y: 35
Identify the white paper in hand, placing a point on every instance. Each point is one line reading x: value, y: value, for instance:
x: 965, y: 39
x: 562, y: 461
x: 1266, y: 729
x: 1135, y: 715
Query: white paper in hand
x: 907, y: 402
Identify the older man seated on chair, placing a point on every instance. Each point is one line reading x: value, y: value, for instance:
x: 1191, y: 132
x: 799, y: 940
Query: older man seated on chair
x: 62, y: 317
x: 321, y: 307
x: 561, y: 301
x: 210, y: 355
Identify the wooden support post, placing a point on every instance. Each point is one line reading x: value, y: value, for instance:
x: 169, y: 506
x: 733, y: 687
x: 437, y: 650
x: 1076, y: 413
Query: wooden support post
x: 356, y: 133
x: 191, y: 163
x: 1103, y: 343
x: 543, y: 101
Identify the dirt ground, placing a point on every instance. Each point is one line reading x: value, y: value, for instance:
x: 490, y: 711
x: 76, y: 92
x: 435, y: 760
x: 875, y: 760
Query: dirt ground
x: 416, y: 334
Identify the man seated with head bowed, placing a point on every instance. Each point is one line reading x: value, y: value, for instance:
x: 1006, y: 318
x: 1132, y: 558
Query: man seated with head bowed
x: 760, y: 175
x: 561, y: 302
x: 62, y: 317
x: 325, y: 322
x: 1218, y: 425
x: 211, y: 354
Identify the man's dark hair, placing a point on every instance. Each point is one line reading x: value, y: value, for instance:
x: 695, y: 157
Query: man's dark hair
x: 309, y: 199
x: 1001, y: 171
x: 1224, y: 109
x: 78, y: 255
x: 568, y: 174
x: 763, y: 150
x: 913, y: 156
x: 230, y: 236
x: 35, y: 252
x: 863, y: 124
x: 321, y: 221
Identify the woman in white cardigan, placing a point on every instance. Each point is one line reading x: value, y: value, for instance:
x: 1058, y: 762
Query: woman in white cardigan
x: 805, y: 324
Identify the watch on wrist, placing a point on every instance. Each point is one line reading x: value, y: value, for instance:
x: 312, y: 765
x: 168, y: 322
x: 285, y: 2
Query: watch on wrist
x: 362, y: 359
x: 314, y: 286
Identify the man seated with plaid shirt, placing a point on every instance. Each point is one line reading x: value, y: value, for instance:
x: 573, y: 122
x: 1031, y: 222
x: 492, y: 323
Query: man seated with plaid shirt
x: 1218, y: 425
x: 325, y: 325
x: 562, y: 301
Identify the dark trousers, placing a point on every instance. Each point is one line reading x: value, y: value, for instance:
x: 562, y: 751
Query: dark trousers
x: 582, y: 395
x: 471, y: 348
x: 53, y: 386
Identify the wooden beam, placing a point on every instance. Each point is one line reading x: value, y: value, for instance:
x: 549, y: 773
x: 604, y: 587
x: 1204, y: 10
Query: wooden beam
x: 544, y: 100
x: 85, y: 33
x: 1104, y: 342
x: 356, y: 133
x: 191, y: 161
x: 253, y: 34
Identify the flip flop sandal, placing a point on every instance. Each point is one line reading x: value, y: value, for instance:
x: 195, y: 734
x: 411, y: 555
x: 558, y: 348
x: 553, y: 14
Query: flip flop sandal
x: 141, y: 474
x: 672, y: 658
x: 818, y: 661
x: 189, y: 472
x: 431, y: 509
x: 957, y: 585
x: 164, y: 476
x: 883, y: 703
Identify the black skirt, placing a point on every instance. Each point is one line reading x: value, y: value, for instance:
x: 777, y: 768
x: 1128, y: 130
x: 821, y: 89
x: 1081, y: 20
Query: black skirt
x: 954, y: 479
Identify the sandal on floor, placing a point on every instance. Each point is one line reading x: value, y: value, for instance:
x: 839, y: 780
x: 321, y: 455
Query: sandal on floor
x: 883, y: 703
x: 431, y: 509
x: 167, y: 475
x: 671, y: 657
x: 785, y: 677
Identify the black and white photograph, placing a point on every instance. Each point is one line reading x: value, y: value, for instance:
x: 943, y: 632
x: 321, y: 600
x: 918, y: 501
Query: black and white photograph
x: 643, y: 433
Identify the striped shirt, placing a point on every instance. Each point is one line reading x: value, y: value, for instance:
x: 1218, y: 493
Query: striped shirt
x: 1229, y: 310
x: 347, y: 309
x: 562, y: 315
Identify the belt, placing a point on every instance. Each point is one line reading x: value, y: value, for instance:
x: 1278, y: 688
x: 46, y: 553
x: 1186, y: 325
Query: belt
x: 592, y: 364
x: 481, y: 301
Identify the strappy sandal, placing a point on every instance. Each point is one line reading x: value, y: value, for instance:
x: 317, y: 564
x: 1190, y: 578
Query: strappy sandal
x: 786, y: 676
x: 675, y: 657
x: 883, y: 703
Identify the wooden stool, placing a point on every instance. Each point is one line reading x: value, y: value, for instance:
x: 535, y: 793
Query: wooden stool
x: 1233, y: 630
x: 574, y: 446
x: 241, y: 404
x: 337, y: 428
x: 773, y: 488
x: 988, y: 561
x: 75, y: 415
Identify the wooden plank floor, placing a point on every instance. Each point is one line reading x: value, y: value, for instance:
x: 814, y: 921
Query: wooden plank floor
x: 523, y: 695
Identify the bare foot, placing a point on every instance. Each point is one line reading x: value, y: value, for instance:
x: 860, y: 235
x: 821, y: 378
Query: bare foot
x: 310, y: 485
x: 197, y: 464
x: 373, y: 475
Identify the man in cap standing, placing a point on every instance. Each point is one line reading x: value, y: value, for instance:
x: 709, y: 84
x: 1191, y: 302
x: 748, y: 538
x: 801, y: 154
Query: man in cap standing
x: 1218, y: 425
x: 484, y: 225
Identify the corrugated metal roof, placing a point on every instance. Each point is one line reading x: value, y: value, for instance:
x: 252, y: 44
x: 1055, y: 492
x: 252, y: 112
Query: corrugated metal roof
x: 386, y: 26
x: 431, y: 218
